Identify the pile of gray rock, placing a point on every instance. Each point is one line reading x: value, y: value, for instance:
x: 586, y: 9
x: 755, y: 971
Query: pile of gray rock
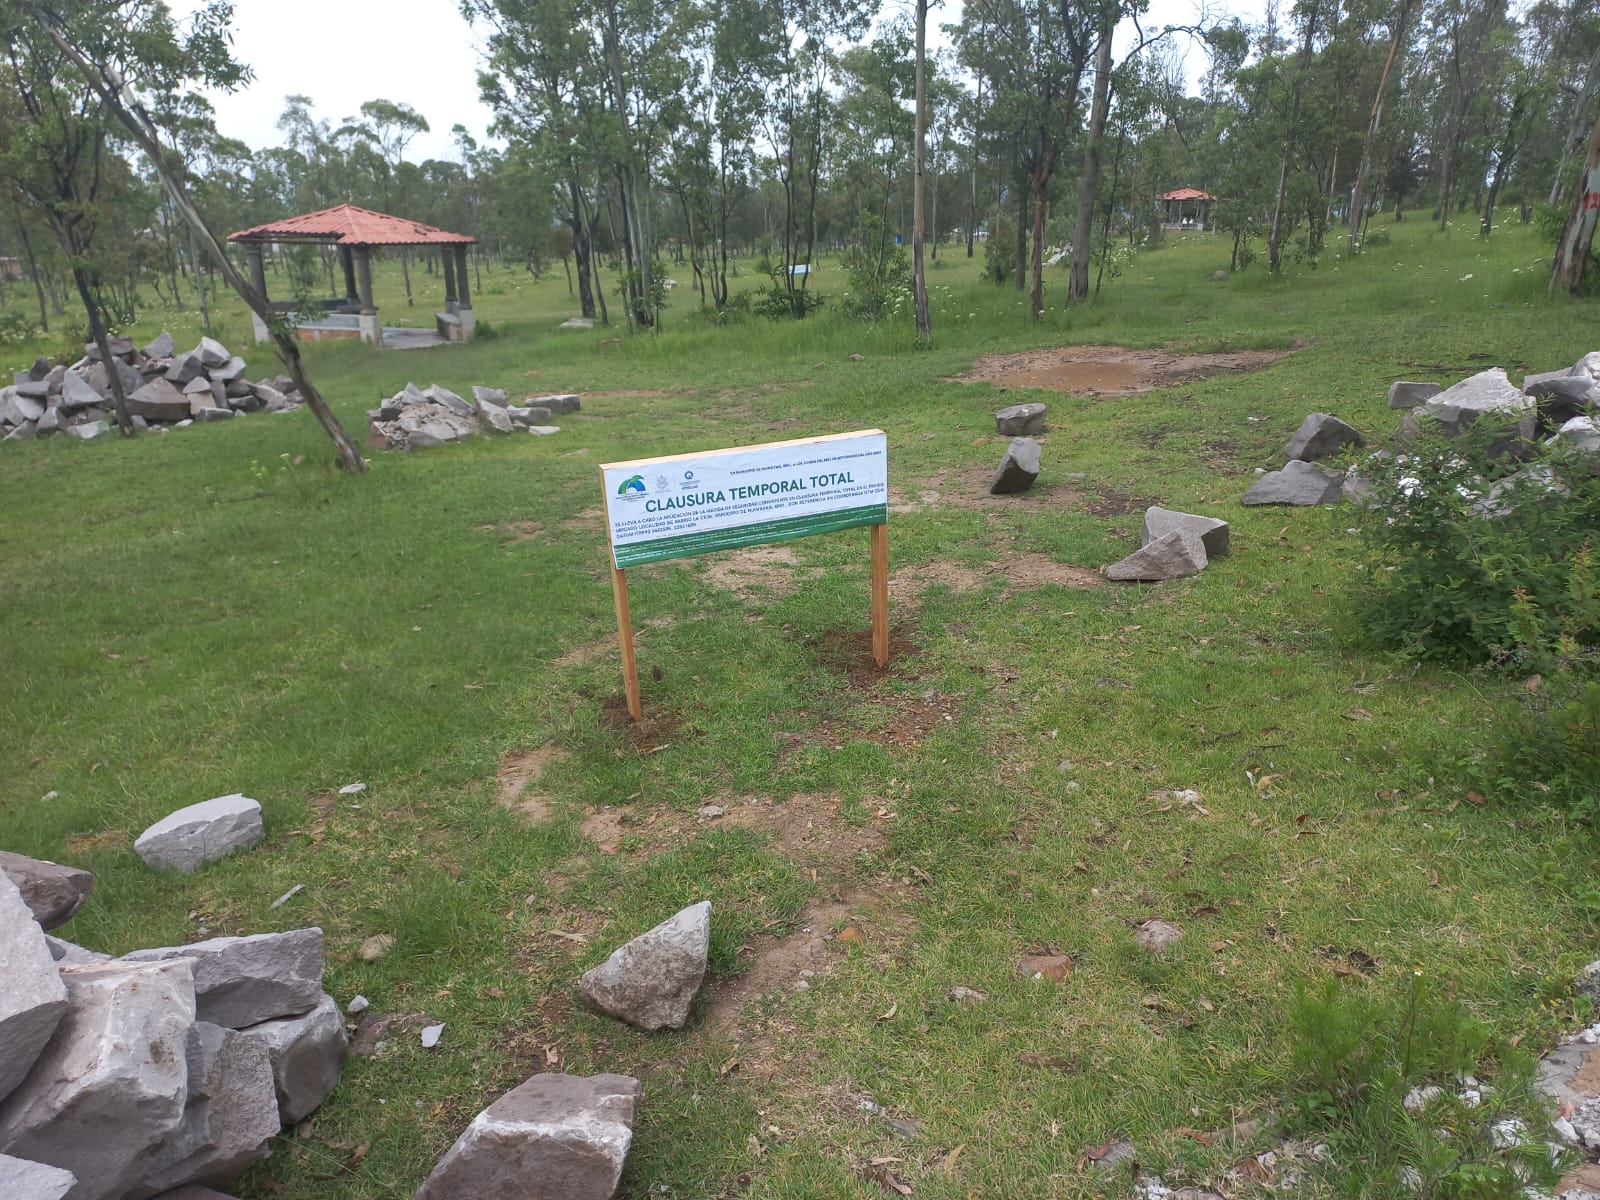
x: 1175, y: 544
x: 162, y: 388
x: 568, y: 1133
x: 1551, y: 409
x: 156, y: 1073
x: 419, y: 417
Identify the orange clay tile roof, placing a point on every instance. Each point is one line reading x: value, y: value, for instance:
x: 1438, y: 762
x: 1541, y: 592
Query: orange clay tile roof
x: 347, y: 225
x: 1187, y: 194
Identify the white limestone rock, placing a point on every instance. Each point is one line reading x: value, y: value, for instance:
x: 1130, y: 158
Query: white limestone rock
x: 240, y: 981
x: 306, y: 1054
x: 111, y: 1087
x: 33, y: 1000
x: 201, y: 833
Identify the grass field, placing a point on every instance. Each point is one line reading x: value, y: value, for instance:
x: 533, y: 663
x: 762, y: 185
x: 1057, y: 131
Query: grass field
x: 218, y: 610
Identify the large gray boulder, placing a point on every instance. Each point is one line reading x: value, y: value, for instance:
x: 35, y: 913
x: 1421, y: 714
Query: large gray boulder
x: 70, y: 953
x: 1580, y: 436
x: 212, y: 353
x: 557, y: 1136
x: 200, y: 833
x: 1407, y: 394
x: 1298, y: 483
x: 234, y: 369
x: 489, y: 395
x: 120, y: 347
x: 447, y: 399
x: 1487, y: 396
x: 24, y: 1180
x: 33, y: 999
x: 158, y: 400
x: 651, y: 982
x: 1173, y: 555
x: 160, y: 346
x: 88, y: 431
x: 307, y: 1054
x: 1020, y: 420
x: 1563, y: 395
x: 493, y: 416
x: 186, y: 368
x: 560, y: 403
x: 240, y: 981
x: 1321, y: 435
x: 1212, y: 532
x: 20, y: 407
x: 53, y: 892
x: 228, y: 1118
x: 111, y: 1087
x: 1018, y: 469
x: 77, y: 394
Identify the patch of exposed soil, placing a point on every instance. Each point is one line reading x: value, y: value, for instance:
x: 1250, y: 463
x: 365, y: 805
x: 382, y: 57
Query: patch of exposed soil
x: 775, y: 965
x: 1110, y: 371
x: 593, y: 517
x: 755, y: 572
x: 901, y: 719
x: 514, y: 532
x: 807, y: 826
x: 588, y: 652
x: 652, y: 733
x: 1030, y: 570
x: 1112, y: 503
x: 519, y: 771
x: 849, y: 652
x: 908, y: 583
x: 1021, y: 571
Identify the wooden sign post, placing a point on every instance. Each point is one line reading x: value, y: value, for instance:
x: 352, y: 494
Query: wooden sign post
x: 687, y: 504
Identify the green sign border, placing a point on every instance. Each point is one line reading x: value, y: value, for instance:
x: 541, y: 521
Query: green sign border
x: 783, y: 529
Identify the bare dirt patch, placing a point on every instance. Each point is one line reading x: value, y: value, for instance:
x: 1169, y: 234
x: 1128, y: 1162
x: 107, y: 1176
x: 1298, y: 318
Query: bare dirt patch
x: 1110, y: 371
x: 757, y: 572
x: 588, y: 652
x: 807, y: 826
x: 908, y: 583
x: 657, y: 729
x: 519, y: 772
x: 1032, y: 570
x: 514, y: 533
x: 586, y: 518
x: 1022, y: 572
x: 849, y: 652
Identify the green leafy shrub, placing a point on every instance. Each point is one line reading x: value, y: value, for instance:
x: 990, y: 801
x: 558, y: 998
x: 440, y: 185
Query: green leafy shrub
x: 1000, y: 250
x: 1358, y: 1070
x: 878, y: 273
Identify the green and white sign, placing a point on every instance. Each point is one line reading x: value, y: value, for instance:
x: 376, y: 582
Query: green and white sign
x: 688, y: 504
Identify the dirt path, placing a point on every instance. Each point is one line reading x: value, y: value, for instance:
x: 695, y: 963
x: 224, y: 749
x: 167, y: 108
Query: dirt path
x: 1110, y: 370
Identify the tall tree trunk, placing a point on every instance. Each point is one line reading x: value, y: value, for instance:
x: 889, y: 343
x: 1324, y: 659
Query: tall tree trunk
x: 1022, y: 239
x: 1574, y: 139
x: 1275, y: 232
x: 1572, y: 252
x: 97, y: 331
x: 1358, y: 193
x: 919, y: 279
x: 205, y: 309
x: 580, y: 248
x: 143, y: 132
x: 1041, y: 187
x: 405, y: 273
x: 33, y: 272
x: 1502, y: 163
x: 1089, y: 179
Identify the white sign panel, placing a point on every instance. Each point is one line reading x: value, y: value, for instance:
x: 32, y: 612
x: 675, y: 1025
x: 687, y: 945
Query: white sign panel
x: 688, y: 504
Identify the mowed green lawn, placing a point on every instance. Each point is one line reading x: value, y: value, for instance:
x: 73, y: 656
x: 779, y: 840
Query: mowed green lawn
x: 217, y: 609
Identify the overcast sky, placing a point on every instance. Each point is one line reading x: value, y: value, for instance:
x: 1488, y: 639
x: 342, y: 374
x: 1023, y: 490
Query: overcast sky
x: 422, y: 53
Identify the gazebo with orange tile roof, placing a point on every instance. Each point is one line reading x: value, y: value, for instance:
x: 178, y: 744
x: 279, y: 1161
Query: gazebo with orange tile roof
x: 1185, y: 195
x: 355, y: 231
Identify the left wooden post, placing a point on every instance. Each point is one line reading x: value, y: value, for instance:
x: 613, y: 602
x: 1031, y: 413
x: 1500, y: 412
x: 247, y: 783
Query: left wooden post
x: 880, y: 595
x: 619, y: 593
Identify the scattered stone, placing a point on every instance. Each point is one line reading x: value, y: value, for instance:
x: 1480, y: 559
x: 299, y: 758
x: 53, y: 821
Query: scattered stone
x: 89, y: 431
x: 352, y: 789
x: 856, y: 358
x: 21, y: 407
x: 495, y: 396
x: 201, y: 833
x: 1155, y: 934
x: 902, y: 1127
x: 1018, y: 469
x: 1118, y: 1152
x: 358, y: 1005
x: 306, y: 1053
x: 1020, y: 420
x: 1405, y: 394
x: 160, y: 346
x: 652, y: 981
x: 120, y: 347
x: 962, y: 994
x: 375, y: 947
x: 1298, y: 483
x: 33, y: 999
x: 545, y: 431
x: 198, y: 386
x: 228, y: 374
x: 230, y: 1112
x: 577, y: 323
x: 208, y: 415
x: 1051, y: 967
x: 23, y: 432
x: 212, y: 352
x: 24, y: 1180
x: 568, y: 1133
x: 1212, y: 531
x: 710, y: 812
x: 447, y: 399
x: 1321, y: 435
x: 494, y: 416
x: 1588, y: 981
x: 53, y: 892
x: 431, y: 1035
x: 185, y: 369
x: 1219, y: 277
x: 1581, y: 435
x: 91, y: 1103
x: 242, y: 981
x: 287, y: 896
x: 1173, y: 555
x: 1487, y: 394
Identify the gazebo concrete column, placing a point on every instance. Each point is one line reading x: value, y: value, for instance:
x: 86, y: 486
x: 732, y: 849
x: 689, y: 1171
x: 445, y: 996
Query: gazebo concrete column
x: 258, y: 280
x: 371, y: 327
x: 447, y: 259
x: 347, y: 260
x: 469, y: 320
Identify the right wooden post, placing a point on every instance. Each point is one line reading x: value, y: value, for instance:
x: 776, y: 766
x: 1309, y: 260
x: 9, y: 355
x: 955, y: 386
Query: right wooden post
x: 880, y: 595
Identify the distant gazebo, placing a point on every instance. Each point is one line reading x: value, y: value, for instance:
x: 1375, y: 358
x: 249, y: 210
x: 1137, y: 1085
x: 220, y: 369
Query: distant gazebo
x: 355, y: 231
x: 1173, y: 206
